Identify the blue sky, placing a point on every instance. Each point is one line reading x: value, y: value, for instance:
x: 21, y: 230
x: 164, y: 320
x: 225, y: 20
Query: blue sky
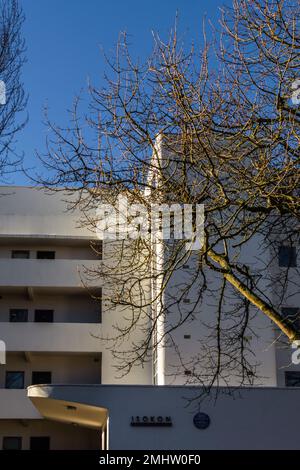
x: 64, y: 40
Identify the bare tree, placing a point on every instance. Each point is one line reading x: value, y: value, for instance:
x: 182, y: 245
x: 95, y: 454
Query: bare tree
x: 13, y: 98
x: 177, y: 128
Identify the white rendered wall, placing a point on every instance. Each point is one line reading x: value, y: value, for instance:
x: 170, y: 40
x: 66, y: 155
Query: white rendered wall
x: 33, y: 220
x: 254, y: 418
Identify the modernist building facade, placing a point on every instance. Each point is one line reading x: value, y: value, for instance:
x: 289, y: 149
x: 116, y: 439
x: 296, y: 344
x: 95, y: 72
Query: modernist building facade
x: 53, y: 331
x: 50, y: 324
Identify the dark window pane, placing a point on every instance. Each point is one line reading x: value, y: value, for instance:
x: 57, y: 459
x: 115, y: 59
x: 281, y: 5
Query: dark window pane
x: 292, y: 379
x: 291, y: 315
x: 40, y: 443
x: 97, y: 247
x: 18, y: 315
x: 45, y: 254
x: 20, y: 254
x: 41, y: 377
x: 14, y: 379
x: 43, y: 316
x: 12, y: 443
x: 287, y: 256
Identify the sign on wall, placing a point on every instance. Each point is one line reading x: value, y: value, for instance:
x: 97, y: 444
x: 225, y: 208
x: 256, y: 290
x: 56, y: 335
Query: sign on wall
x: 151, y: 421
x: 201, y: 420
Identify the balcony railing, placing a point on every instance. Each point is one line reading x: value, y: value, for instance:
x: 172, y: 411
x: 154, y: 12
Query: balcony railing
x: 66, y: 337
x: 14, y: 404
x: 43, y: 273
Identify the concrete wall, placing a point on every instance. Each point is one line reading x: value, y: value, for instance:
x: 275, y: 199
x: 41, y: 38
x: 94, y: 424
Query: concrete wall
x: 285, y: 294
x: 253, y: 418
x: 201, y: 315
x: 14, y: 404
x: 29, y: 211
x: 43, y: 272
x: 53, y: 337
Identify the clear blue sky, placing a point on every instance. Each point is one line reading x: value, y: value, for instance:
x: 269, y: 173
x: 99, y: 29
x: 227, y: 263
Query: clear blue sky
x: 64, y: 39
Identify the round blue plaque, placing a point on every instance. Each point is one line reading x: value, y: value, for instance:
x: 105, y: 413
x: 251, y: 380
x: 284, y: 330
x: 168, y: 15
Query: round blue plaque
x: 201, y: 420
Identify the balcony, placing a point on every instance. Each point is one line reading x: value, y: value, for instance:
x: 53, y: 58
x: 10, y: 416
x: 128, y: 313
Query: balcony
x: 14, y: 404
x: 43, y: 273
x: 64, y: 337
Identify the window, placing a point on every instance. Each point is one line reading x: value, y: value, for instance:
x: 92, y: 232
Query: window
x: 96, y: 307
x: 14, y: 379
x: 292, y: 379
x: 12, y: 443
x: 18, y: 315
x: 20, y: 254
x: 291, y: 315
x: 41, y: 377
x: 97, y: 247
x: 43, y: 316
x: 40, y: 443
x: 287, y: 256
x: 45, y: 254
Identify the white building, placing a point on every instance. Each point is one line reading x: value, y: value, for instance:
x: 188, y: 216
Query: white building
x: 52, y: 329
x: 49, y: 322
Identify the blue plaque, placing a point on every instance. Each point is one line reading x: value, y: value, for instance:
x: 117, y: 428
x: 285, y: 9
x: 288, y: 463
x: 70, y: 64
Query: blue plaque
x: 201, y: 420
